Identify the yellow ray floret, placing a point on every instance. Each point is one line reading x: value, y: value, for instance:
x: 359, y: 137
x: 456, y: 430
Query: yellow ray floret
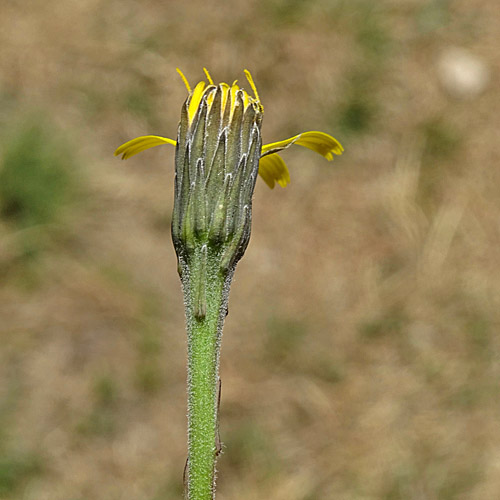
x: 184, y: 79
x: 195, y: 99
x: 322, y: 143
x: 207, y: 74
x: 252, y: 84
x: 139, y: 144
x: 273, y: 169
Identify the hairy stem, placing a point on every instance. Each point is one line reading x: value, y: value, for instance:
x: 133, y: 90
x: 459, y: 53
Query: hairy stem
x: 206, y: 289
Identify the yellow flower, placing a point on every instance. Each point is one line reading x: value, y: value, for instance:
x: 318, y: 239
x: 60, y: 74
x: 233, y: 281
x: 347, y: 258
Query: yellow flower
x: 272, y: 168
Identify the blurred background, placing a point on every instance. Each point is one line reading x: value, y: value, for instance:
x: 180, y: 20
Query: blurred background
x: 360, y: 355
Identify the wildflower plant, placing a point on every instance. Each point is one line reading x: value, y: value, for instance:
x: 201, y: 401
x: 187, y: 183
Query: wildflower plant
x: 218, y: 155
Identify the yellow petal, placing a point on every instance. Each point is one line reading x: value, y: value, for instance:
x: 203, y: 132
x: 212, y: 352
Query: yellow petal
x: 184, y: 79
x: 273, y: 169
x: 322, y: 143
x: 139, y: 144
x: 195, y: 100
x: 225, y: 92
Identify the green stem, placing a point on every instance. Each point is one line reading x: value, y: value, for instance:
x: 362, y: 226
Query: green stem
x: 206, y: 288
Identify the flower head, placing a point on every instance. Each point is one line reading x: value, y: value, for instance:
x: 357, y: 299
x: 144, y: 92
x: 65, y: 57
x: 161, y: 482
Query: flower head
x: 217, y: 158
x: 216, y: 164
x: 272, y: 168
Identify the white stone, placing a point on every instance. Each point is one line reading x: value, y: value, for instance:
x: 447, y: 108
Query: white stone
x: 461, y: 73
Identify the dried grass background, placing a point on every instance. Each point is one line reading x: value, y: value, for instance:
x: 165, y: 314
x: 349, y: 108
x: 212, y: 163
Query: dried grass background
x: 361, y: 352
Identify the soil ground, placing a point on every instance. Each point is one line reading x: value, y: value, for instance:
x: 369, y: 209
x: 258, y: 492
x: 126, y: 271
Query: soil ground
x: 360, y: 354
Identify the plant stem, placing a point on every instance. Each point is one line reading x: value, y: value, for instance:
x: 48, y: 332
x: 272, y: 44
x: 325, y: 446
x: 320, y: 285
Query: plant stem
x: 206, y: 287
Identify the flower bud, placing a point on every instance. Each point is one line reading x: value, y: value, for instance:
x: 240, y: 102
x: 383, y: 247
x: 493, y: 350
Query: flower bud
x: 216, y: 166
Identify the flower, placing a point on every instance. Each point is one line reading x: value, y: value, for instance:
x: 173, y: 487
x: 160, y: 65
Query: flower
x: 271, y: 166
x: 217, y: 156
